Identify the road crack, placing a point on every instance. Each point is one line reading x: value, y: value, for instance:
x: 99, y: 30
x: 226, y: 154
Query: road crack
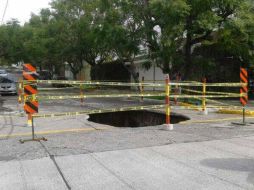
x: 52, y: 157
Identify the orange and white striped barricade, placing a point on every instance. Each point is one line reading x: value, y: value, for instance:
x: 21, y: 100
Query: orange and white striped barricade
x: 243, y: 93
x: 244, y: 90
x: 31, y: 105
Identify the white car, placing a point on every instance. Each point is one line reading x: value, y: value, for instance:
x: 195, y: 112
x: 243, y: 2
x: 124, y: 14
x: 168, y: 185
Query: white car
x: 7, y: 86
x: 3, y: 73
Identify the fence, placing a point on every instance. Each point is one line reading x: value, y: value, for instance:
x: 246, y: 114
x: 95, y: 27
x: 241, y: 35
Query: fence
x: 172, y: 91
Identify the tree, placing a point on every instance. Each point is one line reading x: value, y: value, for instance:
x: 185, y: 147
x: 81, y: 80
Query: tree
x: 40, y: 45
x: 179, y: 34
x: 120, y: 33
x: 11, y: 41
x: 186, y: 28
x: 76, y: 21
x: 231, y: 45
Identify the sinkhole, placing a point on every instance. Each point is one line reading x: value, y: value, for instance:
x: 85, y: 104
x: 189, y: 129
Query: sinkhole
x: 141, y: 118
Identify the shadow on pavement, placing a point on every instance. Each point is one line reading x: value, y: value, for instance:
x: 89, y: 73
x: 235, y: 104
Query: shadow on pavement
x: 233, y: 164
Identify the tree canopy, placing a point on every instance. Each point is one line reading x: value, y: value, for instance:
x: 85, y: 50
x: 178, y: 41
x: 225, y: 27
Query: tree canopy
x: 178, y: 35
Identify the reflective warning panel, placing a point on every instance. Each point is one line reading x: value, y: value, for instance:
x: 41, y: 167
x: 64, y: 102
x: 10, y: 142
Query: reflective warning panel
x: 244, y: 88
x: 28, y: 68
x: 29, y: 74
x: 30, y: 89
x: 31, y: 107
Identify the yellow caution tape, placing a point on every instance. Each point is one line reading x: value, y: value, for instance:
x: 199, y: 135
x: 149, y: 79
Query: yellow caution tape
x: 210, y: 92
x: 92, y: 96
x: 199, y: 108
x: 218, y: 102
x: 222, y: 93
x: 210, y: 84
x: 221, y: 104
x: 48, y: 89
x: 225, y: 106
x: 97, y: 111
x: 37, y: 97
x: 226, y: 84
x: 172, y: 81
x: 184, y: 106
x: 205, y: 96
x: 137, y: 84
x: 66, y: 114
x: 97, y: 83
x: 63, y: 114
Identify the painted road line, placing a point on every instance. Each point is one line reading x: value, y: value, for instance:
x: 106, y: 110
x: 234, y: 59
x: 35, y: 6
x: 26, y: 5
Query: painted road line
x: 54, y: 132
x: 213, y: 120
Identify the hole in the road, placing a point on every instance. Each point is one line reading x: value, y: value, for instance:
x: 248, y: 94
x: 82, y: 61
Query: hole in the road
x: 134, y: 118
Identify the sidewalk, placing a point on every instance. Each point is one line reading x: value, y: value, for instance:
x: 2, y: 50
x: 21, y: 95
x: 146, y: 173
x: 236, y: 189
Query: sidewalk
x: 213, y: 165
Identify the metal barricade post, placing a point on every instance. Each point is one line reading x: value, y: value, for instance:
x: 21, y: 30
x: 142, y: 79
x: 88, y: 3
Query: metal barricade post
x: 168, y: 125
x: 204, y: 109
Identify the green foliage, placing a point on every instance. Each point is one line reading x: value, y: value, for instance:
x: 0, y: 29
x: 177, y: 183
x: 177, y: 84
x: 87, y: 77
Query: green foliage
x: 196, y: 30
x: 179, y: 34
x: 11, y: 41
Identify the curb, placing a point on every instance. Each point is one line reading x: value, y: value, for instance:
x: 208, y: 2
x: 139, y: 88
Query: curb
x: 237, y: 112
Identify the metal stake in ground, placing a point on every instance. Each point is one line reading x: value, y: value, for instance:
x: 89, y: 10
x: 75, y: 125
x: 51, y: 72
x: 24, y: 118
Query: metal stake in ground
x: 81, y: 95
x: 168, y: 125
x: 204, y: 109
x: 33, y: 135
x: 142, y: 89
x: 244, y: 115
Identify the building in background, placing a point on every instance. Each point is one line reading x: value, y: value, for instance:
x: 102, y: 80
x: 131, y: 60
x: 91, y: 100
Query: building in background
x: 152, y: 74
x: 84, y: 74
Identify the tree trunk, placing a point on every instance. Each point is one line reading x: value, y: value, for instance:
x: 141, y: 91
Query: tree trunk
x: 133, y: 71
x: 187, y: 50
x: 75, y: 75
x: 188, y: 60
x: 74, y: 71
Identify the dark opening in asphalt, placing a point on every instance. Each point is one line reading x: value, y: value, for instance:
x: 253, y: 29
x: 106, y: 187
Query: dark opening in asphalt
x: 134, y: 118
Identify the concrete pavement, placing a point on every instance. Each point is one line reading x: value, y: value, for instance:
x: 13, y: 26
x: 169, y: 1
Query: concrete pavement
x: 221, y: 164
